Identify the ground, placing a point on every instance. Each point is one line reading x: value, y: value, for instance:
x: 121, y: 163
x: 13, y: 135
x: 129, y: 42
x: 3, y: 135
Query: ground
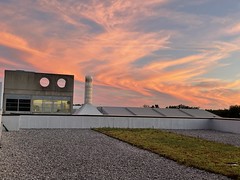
x: 84, y: 154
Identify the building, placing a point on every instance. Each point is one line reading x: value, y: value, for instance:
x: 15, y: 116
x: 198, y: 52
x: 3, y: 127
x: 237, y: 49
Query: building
x: 37, y: 93
x: 50, y: 97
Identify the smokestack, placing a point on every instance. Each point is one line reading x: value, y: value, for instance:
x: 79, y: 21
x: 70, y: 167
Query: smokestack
x: 88, y: 108
x: 88, y: 90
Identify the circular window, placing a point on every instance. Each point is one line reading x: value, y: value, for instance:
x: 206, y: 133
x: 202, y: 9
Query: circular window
x: 61, y: 83
x: 44, y: 82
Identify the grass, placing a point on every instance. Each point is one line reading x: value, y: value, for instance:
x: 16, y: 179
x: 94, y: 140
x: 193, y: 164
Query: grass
x: 195, y: 152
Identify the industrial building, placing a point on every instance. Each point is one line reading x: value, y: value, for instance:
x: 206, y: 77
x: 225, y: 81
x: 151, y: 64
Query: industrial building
x: 37, y: 93
x: 39, y: 100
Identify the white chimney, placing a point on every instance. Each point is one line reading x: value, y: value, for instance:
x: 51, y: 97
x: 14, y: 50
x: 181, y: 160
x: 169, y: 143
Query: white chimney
x: 88, y: 108
x: 88, y: 90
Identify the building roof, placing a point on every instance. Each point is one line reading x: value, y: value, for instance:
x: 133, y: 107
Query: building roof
x: 155, y: 112
x: 87, y: 109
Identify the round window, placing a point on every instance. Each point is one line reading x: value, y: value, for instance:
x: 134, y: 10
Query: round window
x: 61, y: 83
x: 44, y: 82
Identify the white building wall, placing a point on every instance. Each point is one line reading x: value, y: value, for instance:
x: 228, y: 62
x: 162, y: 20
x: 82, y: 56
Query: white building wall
x: 14, y: 123
x: 11, y: 122
x: 84, y: 122
x: 0, y: 126
x: 226, y: 125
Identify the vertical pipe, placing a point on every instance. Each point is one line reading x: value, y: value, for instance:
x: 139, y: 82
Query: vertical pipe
x: 88, y: 90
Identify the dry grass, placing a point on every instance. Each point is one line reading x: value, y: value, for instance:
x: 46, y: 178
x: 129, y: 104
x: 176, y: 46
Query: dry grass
x: 210, y: 156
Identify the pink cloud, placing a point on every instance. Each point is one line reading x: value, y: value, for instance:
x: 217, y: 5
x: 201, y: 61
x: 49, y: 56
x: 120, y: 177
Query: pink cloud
x: 110, y: 55
x: 234, y: 29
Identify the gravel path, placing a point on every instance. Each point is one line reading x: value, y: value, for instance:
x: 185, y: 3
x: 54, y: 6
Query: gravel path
x: 84, y: 154
x: 222, y: 137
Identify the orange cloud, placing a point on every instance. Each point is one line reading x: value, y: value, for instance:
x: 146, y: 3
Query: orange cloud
x: 13, y: 41
x: 234, y: 29
x: 66, y: 44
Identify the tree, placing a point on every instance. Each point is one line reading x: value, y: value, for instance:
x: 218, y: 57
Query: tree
x: 232, y: 112
x: 153, y: 106
x: 181, y: 106
x: 219, y: 112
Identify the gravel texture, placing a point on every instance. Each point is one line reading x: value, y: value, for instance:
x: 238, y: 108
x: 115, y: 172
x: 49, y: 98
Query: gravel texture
x: 84, y: 154
x: 222, y: 137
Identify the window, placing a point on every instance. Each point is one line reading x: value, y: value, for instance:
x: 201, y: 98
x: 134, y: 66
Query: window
x: 37, y: 105
x: 57, y: 106
x: 61, y: 83
x: 18, y: 104
x: 24, y: 104
x: 51, y: 106
x: 47, y: 106
x: 66, y: 106
x: 11, y: 104
x: 44, y: 82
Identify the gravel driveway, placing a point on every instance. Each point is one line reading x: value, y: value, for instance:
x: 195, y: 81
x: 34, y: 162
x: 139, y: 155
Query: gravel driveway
x: 83, y: 154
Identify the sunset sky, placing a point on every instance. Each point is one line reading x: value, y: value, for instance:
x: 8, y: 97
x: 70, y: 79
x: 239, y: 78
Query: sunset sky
x: 164, y: 52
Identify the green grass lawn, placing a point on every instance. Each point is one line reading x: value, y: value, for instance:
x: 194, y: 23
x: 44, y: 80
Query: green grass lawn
x: 190, y: 151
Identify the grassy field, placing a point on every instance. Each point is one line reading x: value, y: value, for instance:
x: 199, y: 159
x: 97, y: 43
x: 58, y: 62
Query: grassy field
x: 190, y: 151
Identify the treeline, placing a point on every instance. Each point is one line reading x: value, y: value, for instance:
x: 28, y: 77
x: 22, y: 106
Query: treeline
x: 180, y: 106
x: 232, y: 112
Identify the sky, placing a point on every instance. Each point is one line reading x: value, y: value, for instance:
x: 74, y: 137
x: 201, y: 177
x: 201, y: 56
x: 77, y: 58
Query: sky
x: 165, y: 52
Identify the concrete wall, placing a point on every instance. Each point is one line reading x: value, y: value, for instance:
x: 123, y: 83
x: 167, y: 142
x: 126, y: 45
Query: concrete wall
x: 27, y: 121
x: 11, y: 122
x: 14, y: 123
x: 226, y: 125
x: 0, y: 126
x: 28, y: 83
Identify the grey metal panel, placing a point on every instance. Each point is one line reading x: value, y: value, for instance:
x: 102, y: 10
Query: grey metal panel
x: 144, y: 111
x: 232, y: 126
x: 22, y: 81
x: 68, y: 98
x: 105, y: 121
x: 156, y: 112
x: 11, y: 122
x: 116, y: 111
x: 14, y: 96
x: 172, y: 112
x: 199, y: 113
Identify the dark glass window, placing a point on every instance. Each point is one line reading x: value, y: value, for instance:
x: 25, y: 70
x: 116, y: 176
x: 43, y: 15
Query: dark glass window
x: 11, y: 104
x: 18, y: 104
x: 24, y: 104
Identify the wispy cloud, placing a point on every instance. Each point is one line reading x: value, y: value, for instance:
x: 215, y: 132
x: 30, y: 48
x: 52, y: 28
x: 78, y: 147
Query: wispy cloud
x: 139, y: 52
x: 234, y: 29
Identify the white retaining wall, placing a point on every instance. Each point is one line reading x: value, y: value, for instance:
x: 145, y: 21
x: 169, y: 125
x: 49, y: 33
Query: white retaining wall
x: 11, y: 122
x: 0, y: 125
x: 226, y: 125
x: 14, y: 123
